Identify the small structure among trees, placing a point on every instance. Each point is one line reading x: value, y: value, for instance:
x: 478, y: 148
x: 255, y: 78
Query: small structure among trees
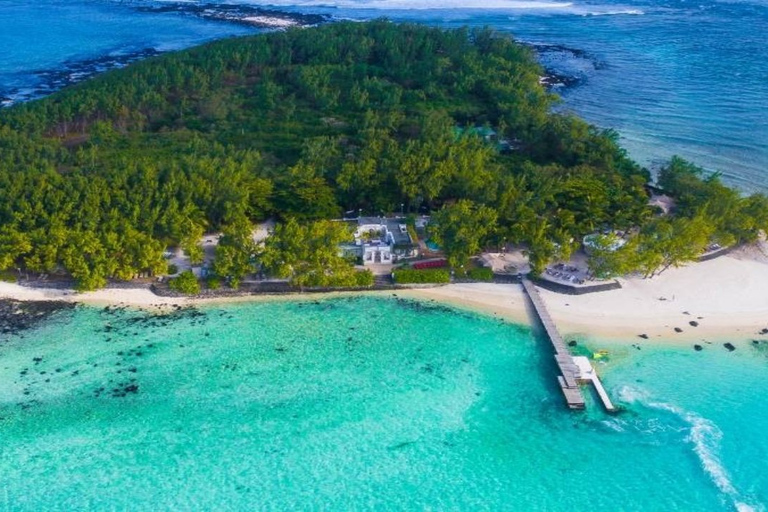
x: 307, y: 254
x: 380, y: 240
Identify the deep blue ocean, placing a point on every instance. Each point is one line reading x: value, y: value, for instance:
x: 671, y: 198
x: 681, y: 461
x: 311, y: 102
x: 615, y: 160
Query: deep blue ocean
x: 671, y: 76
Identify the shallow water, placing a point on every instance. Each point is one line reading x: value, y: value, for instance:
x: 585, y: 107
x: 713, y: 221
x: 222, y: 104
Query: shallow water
x: 363, y: 403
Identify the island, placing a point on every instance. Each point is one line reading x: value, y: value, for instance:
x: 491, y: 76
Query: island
x: 313, y: 130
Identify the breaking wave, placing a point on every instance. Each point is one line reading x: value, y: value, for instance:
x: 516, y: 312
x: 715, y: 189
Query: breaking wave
x: 705, y: 436
x: 633, y: 12
x: 396, y: 4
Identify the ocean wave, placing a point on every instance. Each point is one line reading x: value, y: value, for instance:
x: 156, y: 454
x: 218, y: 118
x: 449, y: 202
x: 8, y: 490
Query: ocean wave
x: 705, y: 436
x: 614, y: 424
x: 400, y: 5
x: 633, y: 12
x: 566, y: 7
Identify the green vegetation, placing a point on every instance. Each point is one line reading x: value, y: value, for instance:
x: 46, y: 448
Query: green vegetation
x: 459, y: 229
x: 706, y: 212
x: 308, y: 255
x: 428, y: 275
x: 213, y: 282
x: 235, y: 252
x: 729, y: 217
x: 185, y: 283
x: 411, y: 227
x: 99, y: 179
x: 480, y: 274
x: 8, y: 276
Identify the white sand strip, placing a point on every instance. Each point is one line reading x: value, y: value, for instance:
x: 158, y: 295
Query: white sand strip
x: 727, y: 297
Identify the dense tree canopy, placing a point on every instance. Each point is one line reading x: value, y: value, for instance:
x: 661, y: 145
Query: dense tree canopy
x: 99, y: 179
x: 706, y: 213
x: 461, y: 229
x: 729, y: 216
x: 308, y: 255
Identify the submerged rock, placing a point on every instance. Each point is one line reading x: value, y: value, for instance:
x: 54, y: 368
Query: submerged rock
x: 694, y: 323
x: 17, y: 316
x: 729, y: 346
x: 677, y: 329
x: 698, y: 348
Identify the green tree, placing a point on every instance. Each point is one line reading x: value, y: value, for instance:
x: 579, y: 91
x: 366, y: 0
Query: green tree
x: 13, y: 245
x: 310, y: 254
x: 190, y: 241
x: 306, y: 194
x: 185, y: 283
x: 235, y: 252
x: 461, y: 230
x: 671, y: 242
x: 610, y: 256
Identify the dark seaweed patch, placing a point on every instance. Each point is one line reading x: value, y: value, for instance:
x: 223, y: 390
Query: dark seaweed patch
x: 420, y: 306
x: 124, y: 389
x: 17, y: 316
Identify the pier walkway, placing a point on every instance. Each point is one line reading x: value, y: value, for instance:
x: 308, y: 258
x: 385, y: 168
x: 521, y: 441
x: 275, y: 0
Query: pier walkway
x: 588, y: 374
x: 573, y: 370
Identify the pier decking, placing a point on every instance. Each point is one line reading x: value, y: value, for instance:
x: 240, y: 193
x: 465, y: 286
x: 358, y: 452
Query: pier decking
x: 573, y: 370
x: 587, y: 374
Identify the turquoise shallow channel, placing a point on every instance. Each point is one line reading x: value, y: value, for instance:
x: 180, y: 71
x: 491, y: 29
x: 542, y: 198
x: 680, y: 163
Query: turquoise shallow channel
x: 364, y: 403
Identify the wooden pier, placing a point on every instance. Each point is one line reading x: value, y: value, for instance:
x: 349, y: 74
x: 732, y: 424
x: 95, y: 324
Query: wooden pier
x: 571, y: 373
x: 587, y: 374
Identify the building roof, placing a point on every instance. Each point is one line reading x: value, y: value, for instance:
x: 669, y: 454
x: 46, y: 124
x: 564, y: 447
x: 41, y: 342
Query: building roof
x: 361, y: 221
x: 395, y: 226
x: 399, y: 231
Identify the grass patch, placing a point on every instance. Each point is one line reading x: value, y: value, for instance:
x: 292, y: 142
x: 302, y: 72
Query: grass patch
x: 429, y: 275
x: 8, y: 276
x: 480, y: 274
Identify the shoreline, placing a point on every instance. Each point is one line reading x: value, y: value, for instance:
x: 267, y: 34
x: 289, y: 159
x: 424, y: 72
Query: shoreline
x: 708, y: 302
x: 72, y: 72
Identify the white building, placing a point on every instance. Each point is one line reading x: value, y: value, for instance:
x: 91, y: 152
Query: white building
x: 379, y: 240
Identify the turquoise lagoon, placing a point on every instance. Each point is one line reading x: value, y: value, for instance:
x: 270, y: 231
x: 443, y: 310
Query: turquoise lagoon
x: 364, y: 403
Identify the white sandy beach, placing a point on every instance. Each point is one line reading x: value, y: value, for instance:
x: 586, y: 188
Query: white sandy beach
x: 727, y: 297
x: 131, y: 297
x: 144, y: 298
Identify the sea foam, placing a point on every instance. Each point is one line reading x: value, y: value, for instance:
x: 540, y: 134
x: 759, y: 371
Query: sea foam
x: 406, y: 5
x: 634, y: 12
x: 705, y: 436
